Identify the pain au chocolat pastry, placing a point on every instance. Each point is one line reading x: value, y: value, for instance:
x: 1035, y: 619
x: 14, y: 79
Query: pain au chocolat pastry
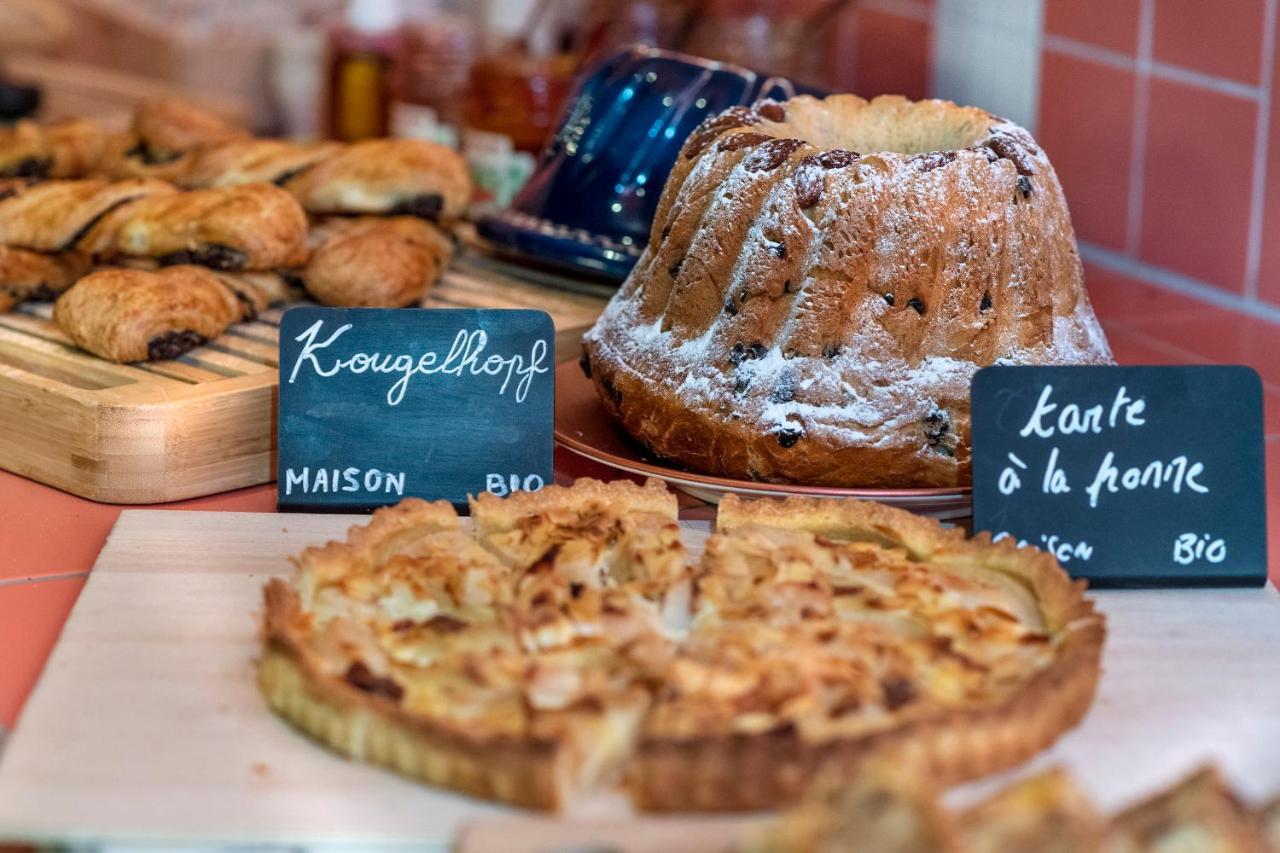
x: 129, y: 315
x: 163, y: 132
x: 245, y: 161
x: 376, y: 262
x: 823, y: 279
x: 399, y: 176
x: 251, y: 227
x: 63, y: 149
x: 256, y: 290
x: 196, y: 149
x: 55, y: 216
x: 26, y: 275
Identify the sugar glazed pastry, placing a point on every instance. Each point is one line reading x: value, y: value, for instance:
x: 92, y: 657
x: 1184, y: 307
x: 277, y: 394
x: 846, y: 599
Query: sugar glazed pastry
x: 567, y: 639
x: 128, y: 315
x: 376, y: 262
x: 822, y: 281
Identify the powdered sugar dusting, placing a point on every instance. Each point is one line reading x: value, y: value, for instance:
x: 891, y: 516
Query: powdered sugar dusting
x: 893, y: 370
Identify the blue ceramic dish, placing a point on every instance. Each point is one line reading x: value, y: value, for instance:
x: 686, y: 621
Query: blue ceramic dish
x: 588, y: 206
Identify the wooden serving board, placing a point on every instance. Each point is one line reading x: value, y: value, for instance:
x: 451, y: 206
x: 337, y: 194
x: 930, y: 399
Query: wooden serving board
x: 203, y: 423
x: 147, y: 724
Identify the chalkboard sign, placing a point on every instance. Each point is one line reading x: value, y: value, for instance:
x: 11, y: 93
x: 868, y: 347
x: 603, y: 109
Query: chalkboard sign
x: 1130, y: 476
x: 381, y: 404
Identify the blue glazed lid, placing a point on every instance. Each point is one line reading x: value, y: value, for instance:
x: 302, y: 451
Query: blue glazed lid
x: 588, y: 206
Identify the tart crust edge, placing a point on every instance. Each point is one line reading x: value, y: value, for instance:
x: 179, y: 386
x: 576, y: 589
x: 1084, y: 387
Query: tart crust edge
x: 534, y: 772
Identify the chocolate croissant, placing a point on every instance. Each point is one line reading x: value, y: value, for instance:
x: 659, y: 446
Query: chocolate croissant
x: 246, y: 161
x: 256, y: 291
x: 252, y: 227
x: 376, y: 263
x: 55, y: 216
x: 163, y: 134
x: 128, y: 315
x: 25, y: 275
x: 400, y: 176
x: 65, y: 149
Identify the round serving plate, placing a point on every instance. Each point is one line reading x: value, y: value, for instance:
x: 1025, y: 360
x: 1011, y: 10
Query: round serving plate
x: 584, y: 427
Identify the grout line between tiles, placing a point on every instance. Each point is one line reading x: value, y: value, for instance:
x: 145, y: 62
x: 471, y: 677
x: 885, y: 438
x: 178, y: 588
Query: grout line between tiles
x: 22, y: 581
x: 1178, y: 283
x: 914, y: 9
x: 1067, y: 46
x: 1261, y: 140
x: 1180, y: 352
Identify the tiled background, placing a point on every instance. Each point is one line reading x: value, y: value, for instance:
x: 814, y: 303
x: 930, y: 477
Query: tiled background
x: 1157, y: 114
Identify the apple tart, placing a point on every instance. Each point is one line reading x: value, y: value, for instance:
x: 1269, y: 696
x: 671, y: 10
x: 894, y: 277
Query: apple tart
x: 565, y: 642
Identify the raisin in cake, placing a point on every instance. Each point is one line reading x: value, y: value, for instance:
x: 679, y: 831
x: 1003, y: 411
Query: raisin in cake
x: 822, y: 281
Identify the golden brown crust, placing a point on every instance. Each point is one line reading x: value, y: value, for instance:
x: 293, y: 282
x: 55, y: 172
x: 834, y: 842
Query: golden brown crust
x: 804, y: 313
x: 64, y: 149
x: 25, y: 274
x: 170, y: 125
x: 1200, y: 812
x: 492, y: 514
x: 127, y: 315
x: 412, y: 176
x: 884, y: 807
x: 586, y: 576
x: 252, y: 227
x: 55, y: 216
x: 1045, y: 813
x: 162, y: 139
x: 1269, y: 816
x: 531, y: 772
x: 377, y: 263
x: 728, y: 771
x: 246, y: 161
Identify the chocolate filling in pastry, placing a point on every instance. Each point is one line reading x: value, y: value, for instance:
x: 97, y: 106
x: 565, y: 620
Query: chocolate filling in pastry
x: 426, y: 207
x: 172, y: 344
x: 75, y: 238
x: 30, y: 167
x: 212, y: 255
x: 142, y: 151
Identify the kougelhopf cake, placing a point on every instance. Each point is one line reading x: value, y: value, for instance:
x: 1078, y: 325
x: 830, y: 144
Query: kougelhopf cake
x: 822, y: 280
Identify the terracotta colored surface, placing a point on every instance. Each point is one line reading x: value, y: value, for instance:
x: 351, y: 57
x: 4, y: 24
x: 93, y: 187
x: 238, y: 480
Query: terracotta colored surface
x: 48, y: 532
x: 1273, y: 508
x: 1269, y: 274
x: 1112, y: 24
x: 1086, y: 127
x: 31, y: 615
x: 892, y: 55
x: 1198, y: 178
x: 1223, y: 37
x: 1120, y: 300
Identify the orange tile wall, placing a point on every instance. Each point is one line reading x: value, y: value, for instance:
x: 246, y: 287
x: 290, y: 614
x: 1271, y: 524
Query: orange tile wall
x: 1159, y: 117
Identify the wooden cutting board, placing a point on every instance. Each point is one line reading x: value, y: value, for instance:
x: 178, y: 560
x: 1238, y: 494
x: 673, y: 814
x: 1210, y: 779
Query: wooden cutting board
x: 147, y: 725
x: 206, y: 422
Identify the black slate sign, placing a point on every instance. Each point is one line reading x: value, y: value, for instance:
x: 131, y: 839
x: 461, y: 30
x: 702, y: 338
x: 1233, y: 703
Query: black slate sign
x: 1131, y: 476
x: 381, y: 404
